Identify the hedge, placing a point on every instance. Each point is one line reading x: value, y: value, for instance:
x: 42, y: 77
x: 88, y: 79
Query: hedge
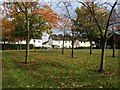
x: 15, y: 46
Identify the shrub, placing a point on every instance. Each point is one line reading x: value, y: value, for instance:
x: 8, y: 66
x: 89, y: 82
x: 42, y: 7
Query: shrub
x: 15, y: 46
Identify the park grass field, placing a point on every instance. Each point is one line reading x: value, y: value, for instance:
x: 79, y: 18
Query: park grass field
x: 51, y: 69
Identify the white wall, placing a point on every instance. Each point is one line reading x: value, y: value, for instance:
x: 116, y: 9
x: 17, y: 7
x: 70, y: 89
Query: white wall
x: 68, y: 44
x: 47, y: 45
x: 86, y: 44
x: 21, y: 42
x: 38, y: 42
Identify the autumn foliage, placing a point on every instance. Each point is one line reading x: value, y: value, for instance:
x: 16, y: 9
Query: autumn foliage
x: 117, y: 27
x: 51, y: 17
x: 14, y: 10
x: 7, y: 29
x: 45, y: 11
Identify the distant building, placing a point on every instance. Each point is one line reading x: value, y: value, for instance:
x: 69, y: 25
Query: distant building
x: 36, y: 42
x: 46, y: 44
x: 57, y: 42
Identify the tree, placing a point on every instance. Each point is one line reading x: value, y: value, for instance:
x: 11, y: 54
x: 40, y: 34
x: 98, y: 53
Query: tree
x: 88, y: 26
x: 13, y: 9
x: 7, y: 29
x: 19, y: 30
x: 65, y: 26
x: 114, y: 20
x: 91, y: 7
x: 65, y: 22
x: 71, y: 23
x: 29, y: 10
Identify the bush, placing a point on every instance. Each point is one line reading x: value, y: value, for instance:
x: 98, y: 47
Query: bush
x: 82, y: 48
x: 15, y: 46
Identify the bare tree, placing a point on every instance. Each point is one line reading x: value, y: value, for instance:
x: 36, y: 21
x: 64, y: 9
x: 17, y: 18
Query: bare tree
x: 68, y: 4
x: 67, y: 18
x: 113, y: 22
x: 90, y: 7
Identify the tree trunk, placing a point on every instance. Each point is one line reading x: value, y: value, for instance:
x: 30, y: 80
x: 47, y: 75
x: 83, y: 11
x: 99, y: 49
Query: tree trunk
x: 20, y: 46
x: 27, y: 40
x: 113, y: 54
x: 72, y: 45
x: 102, y: 66
x: 72, y: 48
x: 90, y: 46
x: 63, y: 42
x: 4, y: 45
x: 90, y: 37
x: 63, y: 45
x: 34, y: 45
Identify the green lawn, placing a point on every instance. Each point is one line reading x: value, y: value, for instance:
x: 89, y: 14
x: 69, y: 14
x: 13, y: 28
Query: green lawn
x: 51, y: 69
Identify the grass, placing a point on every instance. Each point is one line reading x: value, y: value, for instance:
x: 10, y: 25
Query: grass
x: 51, y: 69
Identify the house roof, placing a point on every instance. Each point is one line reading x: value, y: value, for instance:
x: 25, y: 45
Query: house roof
x: 66, y: 37
x: 60, y: 37
x: 45, y: 42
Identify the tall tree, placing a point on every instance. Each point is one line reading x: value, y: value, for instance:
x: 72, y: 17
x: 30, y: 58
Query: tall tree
x: 88, y: 25
x: 7, y: 29
x: 64, y: 26
x: 29, y: 10
x: 104, y: 35
x: 114, y: 21
x: 71, y: 22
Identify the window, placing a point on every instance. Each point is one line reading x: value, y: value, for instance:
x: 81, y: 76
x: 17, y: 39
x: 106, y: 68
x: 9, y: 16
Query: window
x: 34, y: 40
x: 38, y: 41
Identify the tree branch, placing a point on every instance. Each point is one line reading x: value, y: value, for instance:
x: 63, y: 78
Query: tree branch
x: 20, y: 7
x: 109, y: 19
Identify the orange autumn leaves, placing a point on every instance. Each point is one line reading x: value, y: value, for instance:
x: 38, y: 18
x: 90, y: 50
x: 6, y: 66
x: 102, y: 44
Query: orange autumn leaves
x: 7, y: 26
x: 52, y: 17
x: 7, y: 29
x: 47, y: 13
x: 117, y: 27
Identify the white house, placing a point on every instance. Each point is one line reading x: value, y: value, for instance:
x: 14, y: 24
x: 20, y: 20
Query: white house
x: 57, y: 42
x: 46, y: 44
x: 86, y: 43
x: 36, y: 42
